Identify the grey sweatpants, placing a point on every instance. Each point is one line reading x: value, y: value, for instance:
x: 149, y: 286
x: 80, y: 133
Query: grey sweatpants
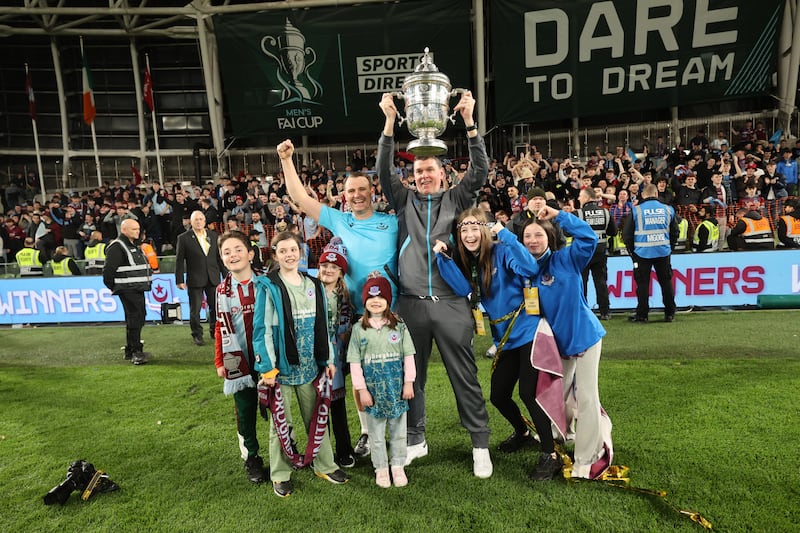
x: 448, y: 322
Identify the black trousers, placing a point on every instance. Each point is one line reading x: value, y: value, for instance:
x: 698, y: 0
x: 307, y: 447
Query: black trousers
x: 195, y: 302
x: 598, y: 266
x: 641, y: 275
x: 515, y: 366
x: 133, y: 305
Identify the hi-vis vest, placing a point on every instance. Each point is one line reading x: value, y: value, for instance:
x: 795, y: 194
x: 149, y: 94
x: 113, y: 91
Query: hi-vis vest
x: 598, y: 218
x: 651, y: 221
x: 60, y: 267
x: 136, y: 275
x: 96, y: 257
x: 29, y: 262
x: 713, y: 236
x: 757, y: 234
x: 619, y: 244
x: 683, y: 235
x: 792, y: 228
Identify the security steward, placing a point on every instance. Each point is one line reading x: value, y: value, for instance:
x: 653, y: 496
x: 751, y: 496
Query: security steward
x: 706, y: 236
x: 650, y: 231
x: 127, y: 274
x: 95, y: 254
x: 29, y: 260
x: 751, y: 232
x: 603, y: 225
x: 64, y: 265
x: 789, y: 224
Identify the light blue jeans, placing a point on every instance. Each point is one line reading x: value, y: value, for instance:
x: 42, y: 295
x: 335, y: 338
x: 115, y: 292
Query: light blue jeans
x: 377, y: 440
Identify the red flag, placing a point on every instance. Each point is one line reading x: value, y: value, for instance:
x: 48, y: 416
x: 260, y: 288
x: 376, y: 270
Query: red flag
x: 89, y: 107
x: 148, y: 90
x: 137, y: 176
x: 31, y: 98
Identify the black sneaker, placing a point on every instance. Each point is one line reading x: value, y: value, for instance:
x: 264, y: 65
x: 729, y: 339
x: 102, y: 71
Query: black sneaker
x: 346, y: 461
x: 640, y: 319
x: 198, y: 340
x: 255, y: 469
x: 547, y: 468
x: 140, y: 358
x: 516, y: 442
x: 282, y: 488
x: 669, y: 318
x: 605, y: 316
x: 362, y: 446
x: 337, y: 477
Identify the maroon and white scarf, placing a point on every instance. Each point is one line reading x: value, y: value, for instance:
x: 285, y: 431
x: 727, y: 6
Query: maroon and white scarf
x: 238, y: 373
x: 271, y: 399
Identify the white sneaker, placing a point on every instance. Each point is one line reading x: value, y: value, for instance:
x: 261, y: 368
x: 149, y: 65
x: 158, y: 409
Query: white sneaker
x: 581, y: 471
x: 481, y: 463
x: 491, y: 352
x: 415, y: 451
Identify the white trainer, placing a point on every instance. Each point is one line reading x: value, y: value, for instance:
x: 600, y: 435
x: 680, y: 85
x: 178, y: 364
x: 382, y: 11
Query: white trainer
x: 415, y: 451
x: 482, y: 463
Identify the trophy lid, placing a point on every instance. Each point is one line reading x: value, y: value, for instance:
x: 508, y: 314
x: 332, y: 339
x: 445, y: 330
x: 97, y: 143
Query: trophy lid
x: 426, y: 64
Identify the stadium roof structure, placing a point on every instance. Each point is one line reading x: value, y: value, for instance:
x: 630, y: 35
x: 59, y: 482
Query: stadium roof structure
x: 164, y: 18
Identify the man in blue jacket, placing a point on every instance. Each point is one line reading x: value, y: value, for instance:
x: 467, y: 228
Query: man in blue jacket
x: 650, y: 231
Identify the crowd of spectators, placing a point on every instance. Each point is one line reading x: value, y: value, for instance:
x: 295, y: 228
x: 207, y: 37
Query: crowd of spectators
x: 748, y: 172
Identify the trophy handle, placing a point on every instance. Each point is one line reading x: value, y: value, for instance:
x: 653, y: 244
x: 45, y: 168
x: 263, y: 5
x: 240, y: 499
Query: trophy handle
x: 455, y: 92
x: 401, y: 96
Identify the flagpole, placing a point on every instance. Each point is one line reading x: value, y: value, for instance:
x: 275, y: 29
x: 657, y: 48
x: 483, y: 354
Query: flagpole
x: 94, y: 139
x: 155, y: 127
x: 35, y: 133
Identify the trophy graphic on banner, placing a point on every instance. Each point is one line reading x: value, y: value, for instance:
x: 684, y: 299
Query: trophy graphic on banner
x: 294, y: 60
x: 427, y: 94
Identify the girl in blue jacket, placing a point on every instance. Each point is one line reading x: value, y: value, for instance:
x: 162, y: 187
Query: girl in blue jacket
x: 495, y: 274
x: 577, y: 331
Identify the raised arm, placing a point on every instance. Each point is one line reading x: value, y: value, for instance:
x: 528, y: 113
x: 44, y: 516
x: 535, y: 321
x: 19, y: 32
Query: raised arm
x: 294, y: 186
x: 390, y: 184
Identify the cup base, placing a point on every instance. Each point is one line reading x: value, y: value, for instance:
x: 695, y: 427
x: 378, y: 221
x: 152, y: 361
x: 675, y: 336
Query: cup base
x: 427, y: 147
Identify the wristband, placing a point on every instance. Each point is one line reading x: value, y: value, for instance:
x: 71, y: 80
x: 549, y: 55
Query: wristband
x: 473, y: 127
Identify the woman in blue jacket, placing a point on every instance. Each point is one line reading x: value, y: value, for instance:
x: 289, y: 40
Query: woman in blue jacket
x: 495, y: 274
x: 577, y: 331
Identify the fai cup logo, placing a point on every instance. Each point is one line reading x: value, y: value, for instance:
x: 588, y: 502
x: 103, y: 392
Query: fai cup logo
x: 294, y: 60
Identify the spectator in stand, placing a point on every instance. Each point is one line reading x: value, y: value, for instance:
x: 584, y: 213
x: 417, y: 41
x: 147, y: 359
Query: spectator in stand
x: 665, y: 195
x: 717, y: 198
x: 704, y: 172
x: 15, y: 236
x: 621, y: 208
x: 751, y: 232
x: 787, y: 167
x: 699, y: 142
x: 688, y: 194
x: 746, y: 133
x: 516, y: 201
x: 773, y: 190
x: 789, y: 224
x: 717, y: 144
x: 536, y: 201
x: 760, y: 135
x: 751, y: 200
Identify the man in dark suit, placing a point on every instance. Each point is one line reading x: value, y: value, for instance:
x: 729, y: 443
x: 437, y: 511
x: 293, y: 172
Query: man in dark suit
x: 198, y: 256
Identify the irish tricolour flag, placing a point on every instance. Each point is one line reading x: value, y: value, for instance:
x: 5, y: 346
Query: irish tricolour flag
x: 89, y: 109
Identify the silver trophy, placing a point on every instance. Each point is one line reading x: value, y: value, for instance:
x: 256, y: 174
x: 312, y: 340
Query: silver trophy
x: 427, y: 94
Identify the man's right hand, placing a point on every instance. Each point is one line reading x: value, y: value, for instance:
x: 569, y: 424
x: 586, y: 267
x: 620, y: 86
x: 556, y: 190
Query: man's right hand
x: 388, y: 106
x: 286, y: 149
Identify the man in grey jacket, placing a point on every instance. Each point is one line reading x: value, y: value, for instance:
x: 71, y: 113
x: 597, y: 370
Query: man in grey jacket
x: 427, y: 304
